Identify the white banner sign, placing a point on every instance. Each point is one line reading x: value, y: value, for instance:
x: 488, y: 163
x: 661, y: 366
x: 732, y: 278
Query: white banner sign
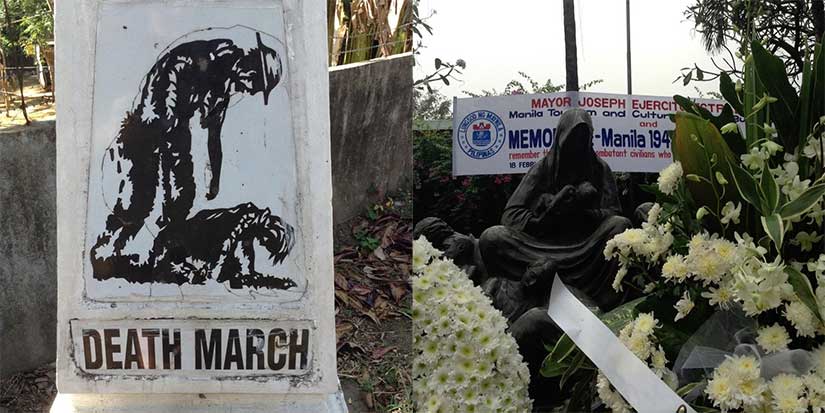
x: 508, y: 134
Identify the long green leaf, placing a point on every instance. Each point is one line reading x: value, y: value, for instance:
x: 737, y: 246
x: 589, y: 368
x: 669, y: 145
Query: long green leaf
x: 770, y: 190
x: 775, y: 228
x: 773, y: 76
x: 551, y: 368
x: 804, y: 106
x: 687, y: 388
x: 556, y: 362
x: 618, y: 317
x: 802, y: 287
x: 811, y: 101
x: 734, y: 139
x: 753, y: 92
x: 747, y: 186
x: 575, y: 365
x: 697, y: 140
x: 728, y: 91
x: 802, y: 204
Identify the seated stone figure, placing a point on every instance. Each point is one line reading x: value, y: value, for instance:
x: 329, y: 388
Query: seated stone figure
x: 558, y: 220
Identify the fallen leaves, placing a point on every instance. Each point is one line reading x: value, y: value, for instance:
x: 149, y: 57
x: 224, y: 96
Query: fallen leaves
x: 374, y: 282
x: 372, y: 294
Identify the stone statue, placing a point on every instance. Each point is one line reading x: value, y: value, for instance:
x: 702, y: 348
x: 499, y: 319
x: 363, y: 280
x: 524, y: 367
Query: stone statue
x: 558, y: 220
x: 462, y: 249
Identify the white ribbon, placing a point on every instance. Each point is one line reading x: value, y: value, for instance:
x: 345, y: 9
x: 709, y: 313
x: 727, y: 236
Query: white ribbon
x: 629, y: 375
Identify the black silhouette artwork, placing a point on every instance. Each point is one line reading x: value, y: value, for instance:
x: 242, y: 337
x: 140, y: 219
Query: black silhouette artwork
x: 153, y: 154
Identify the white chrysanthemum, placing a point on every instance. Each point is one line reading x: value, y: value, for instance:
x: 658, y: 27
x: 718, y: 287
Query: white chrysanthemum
x: 736, y: 383
x: 653, y: 214
x: 638, y: 337
x: 730, y: 212
x: 818, y: 359
x: 645, y: 324
x: 786, y: 392
x: 683, y: 307
x: 675, y: 268
x: 646, y: 244
x: 613, y: 400
x: 423, y: 251
x: 721, y: 390
x: 773, y: 338
x: 669, y: 178
x: 815, y: 390
x: 720, y: 296
x: 801, y: 317
x: 464, y: 357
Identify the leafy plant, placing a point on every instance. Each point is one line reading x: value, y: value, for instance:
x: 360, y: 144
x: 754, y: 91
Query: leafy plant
x: 367, y: 241
x: 470, y: 204
x: 360, y: 30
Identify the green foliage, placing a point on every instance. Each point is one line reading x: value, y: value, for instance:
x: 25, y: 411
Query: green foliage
x: 788, y: 29
x: 366, y: 241
x: 700, y: 148
x: 526, y: 85
x: 802, y: 288
x: 431, y: 106
x: 767, y: 98
x: 32, y: 24
x: 470, y: 204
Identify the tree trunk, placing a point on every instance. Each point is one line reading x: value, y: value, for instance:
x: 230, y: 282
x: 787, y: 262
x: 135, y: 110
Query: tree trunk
x: 4, y: 79
x: 570, y: 59
x: 330, y: 30
x: 17, y: 63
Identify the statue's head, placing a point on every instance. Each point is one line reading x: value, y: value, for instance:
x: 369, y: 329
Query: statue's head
x: 574, y: 141
x: 434, y: 229
x: 259, y: 70
x: 574, y: 133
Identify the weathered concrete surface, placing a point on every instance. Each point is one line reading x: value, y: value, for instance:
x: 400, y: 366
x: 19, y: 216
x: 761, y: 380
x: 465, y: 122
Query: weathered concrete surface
x: 371, y: 131
x: 28, y: 280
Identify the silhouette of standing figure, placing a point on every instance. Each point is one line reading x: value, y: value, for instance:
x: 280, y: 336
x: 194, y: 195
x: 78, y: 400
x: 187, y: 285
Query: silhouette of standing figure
x: 154, y: 149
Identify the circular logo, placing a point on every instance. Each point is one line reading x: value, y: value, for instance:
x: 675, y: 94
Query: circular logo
x: 481, y: 134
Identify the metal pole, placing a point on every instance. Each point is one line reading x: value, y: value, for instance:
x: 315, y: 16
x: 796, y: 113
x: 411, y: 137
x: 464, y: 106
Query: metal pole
x: 629, y: 75
x: 571, y: 60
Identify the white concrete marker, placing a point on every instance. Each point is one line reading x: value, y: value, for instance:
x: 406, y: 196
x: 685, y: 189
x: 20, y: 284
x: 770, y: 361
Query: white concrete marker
x: 194, y: 207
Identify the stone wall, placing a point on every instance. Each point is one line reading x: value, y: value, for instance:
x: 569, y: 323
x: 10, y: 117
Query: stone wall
x: 371, y: 122
x: 28, y: 279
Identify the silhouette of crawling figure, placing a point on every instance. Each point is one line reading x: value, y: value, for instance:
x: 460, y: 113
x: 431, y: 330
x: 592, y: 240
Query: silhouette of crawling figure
x: 152, y: 154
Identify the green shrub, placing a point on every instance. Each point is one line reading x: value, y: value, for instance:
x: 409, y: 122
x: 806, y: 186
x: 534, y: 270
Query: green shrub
x: 470, y: 204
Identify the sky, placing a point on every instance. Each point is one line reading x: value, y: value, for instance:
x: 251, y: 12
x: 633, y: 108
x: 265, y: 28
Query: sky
x: 498, y: 39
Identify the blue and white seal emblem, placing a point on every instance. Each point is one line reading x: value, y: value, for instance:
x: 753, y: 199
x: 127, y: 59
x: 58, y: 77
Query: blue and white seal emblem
x: 481, y: 134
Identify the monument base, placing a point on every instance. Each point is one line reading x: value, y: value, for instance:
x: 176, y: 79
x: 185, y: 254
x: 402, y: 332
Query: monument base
x: 193, y: 403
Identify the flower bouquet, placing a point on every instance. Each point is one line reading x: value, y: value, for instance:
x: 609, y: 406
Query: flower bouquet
x: 730, y: 265
x: 465, y: 360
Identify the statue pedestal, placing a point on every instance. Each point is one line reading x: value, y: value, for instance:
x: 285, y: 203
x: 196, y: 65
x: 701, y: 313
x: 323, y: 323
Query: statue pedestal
x: 196, y: 403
